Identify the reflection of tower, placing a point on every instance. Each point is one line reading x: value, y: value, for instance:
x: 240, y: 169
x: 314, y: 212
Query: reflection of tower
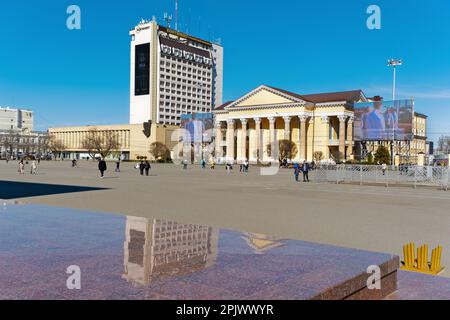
x: 261, y: 243
x: 156, y: 248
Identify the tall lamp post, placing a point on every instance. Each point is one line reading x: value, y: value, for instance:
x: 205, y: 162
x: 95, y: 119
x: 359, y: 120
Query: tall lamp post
x: 394, y: 63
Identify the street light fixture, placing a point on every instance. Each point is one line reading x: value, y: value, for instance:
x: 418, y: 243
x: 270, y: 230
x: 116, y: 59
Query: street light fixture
x: 394, y: 63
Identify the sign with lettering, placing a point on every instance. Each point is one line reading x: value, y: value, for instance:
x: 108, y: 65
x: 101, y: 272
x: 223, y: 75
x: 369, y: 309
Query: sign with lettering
x: 186, y: 55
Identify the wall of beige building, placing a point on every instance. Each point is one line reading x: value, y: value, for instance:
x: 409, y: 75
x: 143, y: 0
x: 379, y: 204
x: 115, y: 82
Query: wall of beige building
x: 133, y: 141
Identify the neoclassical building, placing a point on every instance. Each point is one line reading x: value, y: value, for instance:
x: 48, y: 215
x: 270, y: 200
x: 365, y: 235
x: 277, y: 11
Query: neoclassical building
x: 315, y: 122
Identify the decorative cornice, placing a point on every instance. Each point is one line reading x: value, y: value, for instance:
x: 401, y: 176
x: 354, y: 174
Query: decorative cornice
x: 342, y: 118
x: 267, y: 106
x: 259, y: 89
x: 303, y: 118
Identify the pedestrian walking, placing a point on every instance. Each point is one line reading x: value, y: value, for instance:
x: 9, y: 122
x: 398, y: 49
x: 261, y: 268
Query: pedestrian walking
x: 21, y: 167
x: 102, y: 167
x: 141, y: 168
x: 118, y: 166
x: 229, y: 166
x: 33, y: 167
x: 305, y: 170
x: 185, y: 164
x: 383, y: 168
x: 147, y: 167
x: 296, y: 171
x: 213, y: 164
x: 246, y: 165
x: 203, y: 162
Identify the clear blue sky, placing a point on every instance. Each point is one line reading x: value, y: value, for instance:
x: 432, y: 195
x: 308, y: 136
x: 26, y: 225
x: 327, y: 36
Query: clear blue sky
x: 82, y: 77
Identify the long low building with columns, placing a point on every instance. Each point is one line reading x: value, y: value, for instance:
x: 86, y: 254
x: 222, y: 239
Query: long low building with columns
x: 323, y: 122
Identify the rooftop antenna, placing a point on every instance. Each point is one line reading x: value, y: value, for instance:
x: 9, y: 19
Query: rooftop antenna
x: 168, y: 19
x: 176, y: 15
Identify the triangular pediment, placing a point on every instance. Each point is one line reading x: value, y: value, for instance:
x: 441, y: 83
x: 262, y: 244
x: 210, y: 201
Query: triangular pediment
x: 264, y: 95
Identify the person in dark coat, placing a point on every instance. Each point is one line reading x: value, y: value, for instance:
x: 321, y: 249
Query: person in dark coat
x: 141, y: 168
x: 305, y: 170
x: 102, y: 167
x: 147, y: 167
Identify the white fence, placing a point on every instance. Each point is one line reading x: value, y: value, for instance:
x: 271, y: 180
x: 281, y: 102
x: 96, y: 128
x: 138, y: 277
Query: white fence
x: 405, y: 175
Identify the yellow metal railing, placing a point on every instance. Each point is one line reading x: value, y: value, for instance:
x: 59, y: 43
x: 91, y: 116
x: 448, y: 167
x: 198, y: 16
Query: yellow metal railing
x: 421, y: 264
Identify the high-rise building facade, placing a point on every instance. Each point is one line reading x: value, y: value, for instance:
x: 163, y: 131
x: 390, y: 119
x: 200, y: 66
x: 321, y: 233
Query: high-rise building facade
x: 172, y: 73
x: 16, y: 119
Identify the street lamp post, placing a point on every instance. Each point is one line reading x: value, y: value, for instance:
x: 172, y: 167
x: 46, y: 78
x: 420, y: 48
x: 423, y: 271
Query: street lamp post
x: 394, y: 63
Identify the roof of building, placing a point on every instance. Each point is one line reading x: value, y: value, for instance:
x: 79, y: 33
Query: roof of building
x: 420, y: 115
x: 223, y: 106
x: 348, y: 96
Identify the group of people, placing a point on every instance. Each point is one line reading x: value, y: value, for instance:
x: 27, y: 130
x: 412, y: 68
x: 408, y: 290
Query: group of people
x: 243, y: 167
x: 33, y: 167
x: 302, y: 168
x: 144, y: 167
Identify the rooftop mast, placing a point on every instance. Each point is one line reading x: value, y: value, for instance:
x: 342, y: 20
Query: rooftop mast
x: 176, y: 15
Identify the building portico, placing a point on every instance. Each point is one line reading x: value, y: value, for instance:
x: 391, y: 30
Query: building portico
x: 246, y: 127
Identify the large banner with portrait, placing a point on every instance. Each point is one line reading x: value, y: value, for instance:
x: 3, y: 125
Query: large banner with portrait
x: 384, y: 120
x: 198, y: 126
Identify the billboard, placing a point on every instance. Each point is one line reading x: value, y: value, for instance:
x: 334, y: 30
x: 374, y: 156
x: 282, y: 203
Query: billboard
x: 384, y: 120
x: 142, y: 69
x: 198, y: 126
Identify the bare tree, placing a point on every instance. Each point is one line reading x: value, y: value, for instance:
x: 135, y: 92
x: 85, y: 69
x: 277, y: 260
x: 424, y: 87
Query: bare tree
x: 42, y: 145
x: 56, y: 145
x: 159, y: 151
x: 318, y: 156
x: 286, y: 149
x: 444, y: 144
x: 100, y: 142
x: 9, y: 141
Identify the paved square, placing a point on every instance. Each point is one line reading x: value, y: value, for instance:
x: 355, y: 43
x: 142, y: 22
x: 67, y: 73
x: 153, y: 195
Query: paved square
x: 370, y: 218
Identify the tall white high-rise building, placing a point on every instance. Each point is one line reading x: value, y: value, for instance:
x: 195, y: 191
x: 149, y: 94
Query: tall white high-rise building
x: 171, y: 74
x: 15, y: 119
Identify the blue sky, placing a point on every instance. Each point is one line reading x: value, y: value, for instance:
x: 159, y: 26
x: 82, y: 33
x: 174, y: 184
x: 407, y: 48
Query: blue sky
x: 82, y: 77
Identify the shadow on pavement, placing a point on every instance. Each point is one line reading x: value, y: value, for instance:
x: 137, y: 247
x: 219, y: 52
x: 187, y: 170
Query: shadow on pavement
x: 12, y: 189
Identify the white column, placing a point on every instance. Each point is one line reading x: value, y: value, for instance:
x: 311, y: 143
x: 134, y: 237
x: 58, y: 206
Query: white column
x: 303, y: 119
x: 287, y: 127
x: 243, y: 146
x: 258, y: 144
x: 326, y: 139
x: 218, y: 141
x: 350, y: 137
x: 272, y: 136
x: 342, y: 120
x: 230, y: 140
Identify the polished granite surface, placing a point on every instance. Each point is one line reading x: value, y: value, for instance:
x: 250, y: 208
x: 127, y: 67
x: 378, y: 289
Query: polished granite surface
x: 138, y: 258
x: 416, y: 286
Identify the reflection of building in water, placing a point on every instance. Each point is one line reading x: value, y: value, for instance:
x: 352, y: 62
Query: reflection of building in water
x: 157, y: 248
x: 261, y: 243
